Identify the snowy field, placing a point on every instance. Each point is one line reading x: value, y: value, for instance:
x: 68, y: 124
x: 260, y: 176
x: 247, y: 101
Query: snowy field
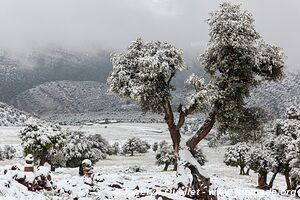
x: 116, y: 170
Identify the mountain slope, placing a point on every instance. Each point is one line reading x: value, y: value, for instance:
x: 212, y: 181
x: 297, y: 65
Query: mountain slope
x: 69, y: 97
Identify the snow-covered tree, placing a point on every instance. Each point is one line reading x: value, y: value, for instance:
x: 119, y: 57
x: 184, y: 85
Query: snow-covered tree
x: 165, y: 155
x: 295, y: 166
x: 135, y: 145
x: 259, y: 160
x: 283, y: 143
x: 236, y: 156
x: 79, y: 147
x: 42, y: 141
x: 237, y: 60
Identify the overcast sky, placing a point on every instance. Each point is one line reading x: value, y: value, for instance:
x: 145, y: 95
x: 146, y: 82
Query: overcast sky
x: 114, y: 24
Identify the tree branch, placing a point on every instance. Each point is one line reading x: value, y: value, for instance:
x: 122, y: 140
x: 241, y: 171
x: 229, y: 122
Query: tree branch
x: 203, y: 131
x: 183, y: 114
x: 170, y: 79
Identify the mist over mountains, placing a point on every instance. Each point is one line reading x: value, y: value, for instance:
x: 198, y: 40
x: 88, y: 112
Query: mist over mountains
x: 19, y: 74
x: 56, y: 80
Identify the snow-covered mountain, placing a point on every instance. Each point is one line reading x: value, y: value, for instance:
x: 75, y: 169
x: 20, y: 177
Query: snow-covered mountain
x: 10, y: 116
x: 63, y: 97
x: 69, y: 97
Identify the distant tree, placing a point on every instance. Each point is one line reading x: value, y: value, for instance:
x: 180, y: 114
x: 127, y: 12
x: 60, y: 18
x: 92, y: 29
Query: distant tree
x: 135, y: 145
x: 42, y: 140
x: 236, y: 156
x: 237, y: 60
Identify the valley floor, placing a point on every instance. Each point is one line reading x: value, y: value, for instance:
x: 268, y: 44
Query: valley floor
x: 117, y: 170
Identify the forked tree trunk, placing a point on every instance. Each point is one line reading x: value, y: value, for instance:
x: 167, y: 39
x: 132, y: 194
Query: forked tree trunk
x: 287, y: 180
x: 199, y: 182
x: 262, y: 180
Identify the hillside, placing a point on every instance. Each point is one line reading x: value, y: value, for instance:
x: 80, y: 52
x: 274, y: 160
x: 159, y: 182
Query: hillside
x: 10, y: 116
x: 69, y: 97
x: 91, y: 98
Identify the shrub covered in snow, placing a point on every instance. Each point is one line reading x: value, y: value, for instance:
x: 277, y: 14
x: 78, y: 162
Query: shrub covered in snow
x: 236, y: 155
x: 165, y: 155
x: 7, y: 152
x: 42, y: 141
x: 135, y: 145
x: 114, y: 149
x: 80, y: 147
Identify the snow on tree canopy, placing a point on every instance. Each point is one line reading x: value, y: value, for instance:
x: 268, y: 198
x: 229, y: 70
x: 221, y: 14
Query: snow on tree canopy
x: 80, y: 147
x: 135, y: 145
x: 238, y: 59
x: 144, y: 73
x: 42, y: 140
x: 236, y: 155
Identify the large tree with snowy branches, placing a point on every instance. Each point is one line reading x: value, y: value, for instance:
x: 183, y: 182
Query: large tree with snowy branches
x: 237, y: 60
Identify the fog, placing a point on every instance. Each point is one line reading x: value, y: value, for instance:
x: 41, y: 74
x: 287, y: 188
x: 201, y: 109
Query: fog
x: 113, y: 24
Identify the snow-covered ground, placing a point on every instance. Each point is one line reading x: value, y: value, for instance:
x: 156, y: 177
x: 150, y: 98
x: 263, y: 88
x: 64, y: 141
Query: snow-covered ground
x: 116, y: 170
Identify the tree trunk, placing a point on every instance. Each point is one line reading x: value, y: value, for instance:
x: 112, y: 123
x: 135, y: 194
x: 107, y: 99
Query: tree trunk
x: 262, y: 180
x: 247, y: 172
x: 175, y: 166
x: 131, y: 154
x: 273, y: 179
x: 287, y: 180
x: 242, y: 172
x: 166, y: 167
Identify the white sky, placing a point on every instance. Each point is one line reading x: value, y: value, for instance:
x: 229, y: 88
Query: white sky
x: 115, y: 23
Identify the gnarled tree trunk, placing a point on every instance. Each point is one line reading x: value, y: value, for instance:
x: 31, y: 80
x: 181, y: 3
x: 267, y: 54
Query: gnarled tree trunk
x: 199, y: 182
